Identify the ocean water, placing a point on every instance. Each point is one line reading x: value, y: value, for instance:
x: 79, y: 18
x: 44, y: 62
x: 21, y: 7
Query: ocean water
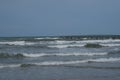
x: 59, y: 58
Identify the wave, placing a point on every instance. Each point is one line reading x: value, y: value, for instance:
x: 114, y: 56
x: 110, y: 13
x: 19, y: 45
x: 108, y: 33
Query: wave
x: 87, y: 41
x: 111, y: 45
x: 20, y: 43
x: 72, y: 44
x: 62, y: 63
x: 14, y: 43
x: 25, y: 65
x: 36, y: 55
x: 80, y: 45
x: 78, y: 61
x: 100, y: 41
x: 64, y: 54
x: 6, y: 55
x: 66, y: 46
x: 114, y: 52
x: 9, y: 66
x: 111, y: 59
x: 63, y: 43
x: 94, y: 67
x: 47, y: 38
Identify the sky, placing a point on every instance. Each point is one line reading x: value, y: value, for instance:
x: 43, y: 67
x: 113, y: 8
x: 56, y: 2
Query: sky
x: 59, y: 17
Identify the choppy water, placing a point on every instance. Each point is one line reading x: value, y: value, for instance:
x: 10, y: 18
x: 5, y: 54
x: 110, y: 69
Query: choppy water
x: 56, y: 58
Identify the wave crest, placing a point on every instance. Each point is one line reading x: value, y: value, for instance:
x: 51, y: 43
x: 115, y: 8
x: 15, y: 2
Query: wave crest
x: 60, y: 63
x: 6, y: 55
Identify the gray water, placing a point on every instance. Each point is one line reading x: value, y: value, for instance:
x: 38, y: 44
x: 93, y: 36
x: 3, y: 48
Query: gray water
x: 54, y: 58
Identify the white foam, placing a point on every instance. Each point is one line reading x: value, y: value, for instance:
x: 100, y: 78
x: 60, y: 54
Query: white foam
x: 64, y: 42
x: 9, y: 66
x: 65, y: 54
x: 14, y: 43
x: 21, y: 43
x: 111, y: 45
x: 80, y: 54
x: 46, y: 38
x: 48, y: 63
x: 66, y: 46
x: 58, y: 63
x: 34, y: 55
x: 39, y: 38
x: 105, y: 60
x: 1, y: 66
x: 58, y: 46
x: 99, y: 41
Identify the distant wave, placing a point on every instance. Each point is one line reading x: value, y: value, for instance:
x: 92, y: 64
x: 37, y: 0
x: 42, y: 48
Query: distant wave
x: 86, y: 41
x: 100, y: 41
x: 80, y: 45
x: 56, y: 63
x: 54, y: 38
x: 64, y: 43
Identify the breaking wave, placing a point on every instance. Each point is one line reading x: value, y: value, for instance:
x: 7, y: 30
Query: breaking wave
x: 88, y: 41
x: 66, y: 46
x: 65, y: 54
x: 20, y: 43
x: 63, y: 43
x: 110, y: 45
x: 6, y: 55
x: 33, y: 55
x: 78, y: 61
x: 9, y: 66
x: 58, y: 63
x: 54, y: 38
x: 101, y: 41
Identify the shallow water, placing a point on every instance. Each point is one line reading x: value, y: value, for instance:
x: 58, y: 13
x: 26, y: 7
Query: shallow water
x: 54, y: 58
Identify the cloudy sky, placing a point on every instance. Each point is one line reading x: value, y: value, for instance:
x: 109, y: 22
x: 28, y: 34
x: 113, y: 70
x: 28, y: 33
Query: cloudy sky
x: 59, y: 17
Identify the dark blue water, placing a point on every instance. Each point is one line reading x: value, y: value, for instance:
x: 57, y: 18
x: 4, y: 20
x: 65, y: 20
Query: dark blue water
x: 56, y: 58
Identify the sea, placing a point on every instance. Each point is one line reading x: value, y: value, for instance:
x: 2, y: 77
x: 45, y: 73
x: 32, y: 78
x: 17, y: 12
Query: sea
x: 60, y: 58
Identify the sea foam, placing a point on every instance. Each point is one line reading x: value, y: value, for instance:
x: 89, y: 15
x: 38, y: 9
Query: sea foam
x: 65, y: 54
x: 78, y: 61
x: 21, y: 43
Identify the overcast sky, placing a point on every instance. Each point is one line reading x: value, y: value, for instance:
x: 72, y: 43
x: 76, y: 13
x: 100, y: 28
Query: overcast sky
x: 59, y: 17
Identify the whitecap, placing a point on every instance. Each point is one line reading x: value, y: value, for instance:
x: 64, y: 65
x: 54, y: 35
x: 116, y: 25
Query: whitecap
x: 20, y: 43
x: 66, y: 46
x: 111, y: 45
x: 99, y: 41
x: 9, y: 66
x: 14, y: 42
x: 46, y: 38
x: 111, y: 59
x: 52, y: 63
x: 65, y: 54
